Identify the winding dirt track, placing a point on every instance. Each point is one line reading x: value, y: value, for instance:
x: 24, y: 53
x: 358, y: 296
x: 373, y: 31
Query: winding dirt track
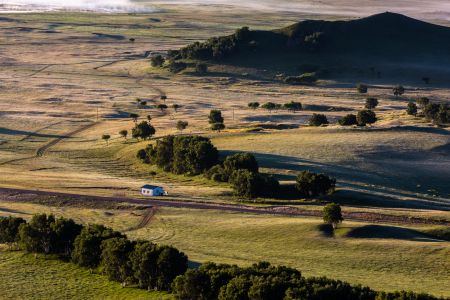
x: 32, y: 196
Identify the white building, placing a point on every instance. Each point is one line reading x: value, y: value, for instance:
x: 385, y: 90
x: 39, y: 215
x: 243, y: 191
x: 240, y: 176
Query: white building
x: 152, y: 190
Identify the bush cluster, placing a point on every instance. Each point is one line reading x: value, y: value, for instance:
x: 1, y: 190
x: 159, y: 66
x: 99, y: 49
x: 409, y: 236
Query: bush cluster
x: 242, y: 171
x: 437, y: 113
x: 312, y: 185
x: 191, y: 155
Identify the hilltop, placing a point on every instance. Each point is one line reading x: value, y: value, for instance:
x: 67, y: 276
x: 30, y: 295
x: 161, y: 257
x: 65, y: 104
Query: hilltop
x: 378, y: 39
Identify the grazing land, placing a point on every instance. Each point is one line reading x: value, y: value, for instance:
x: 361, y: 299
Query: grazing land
x: 67, y: 79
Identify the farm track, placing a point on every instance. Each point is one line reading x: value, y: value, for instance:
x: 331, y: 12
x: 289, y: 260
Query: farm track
x: 32, y: 196
x: 146, y: 219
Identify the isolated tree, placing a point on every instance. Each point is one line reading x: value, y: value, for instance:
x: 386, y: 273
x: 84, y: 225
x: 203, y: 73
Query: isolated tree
x: 175, y: 107
x: 163, y: 98
x: 311, y: 184
x: 149, y: 118
x: 332, y: 214
x: 142, y: 104
x: 106, y: 138
x: 293, y: 106
x: 162, y: 107
x: 365, y: 117
x: 123, y: 133
x: 201, y: 68
x: 217, y: 126
x: 361, y: 88
x: 182, y: 125
x: 134, y: 116
x: 411, y: 108
x: 398, y: 90
x: 115, y: 261
x: 348, y: 120
x: 371, y: 103
x: 269, y: 106
x: 157, y: 60
x: 253, y: 105
x: 317, y: 120
x: 215, y: 116
x: 143, y: 130
x: 422, y: 102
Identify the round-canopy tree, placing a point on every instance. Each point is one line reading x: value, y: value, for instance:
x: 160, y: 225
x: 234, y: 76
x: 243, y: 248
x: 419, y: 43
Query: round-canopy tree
x: 182, y: 125
x: 361, y: 88
x: 311, y: 184
x: 348, y: 120
x: 365, y: 117
x: 143, y: 130
x: 106, y: 138
x: 123, y: 133
x: 253, y: 105
x: 332, y: 214
x: 411, y: 109
x: 398, y: 90
x: 217, y: 126
x: 293, y: 106
x: 215, y: 116
x: 317, y: 120
x: 371, y: 103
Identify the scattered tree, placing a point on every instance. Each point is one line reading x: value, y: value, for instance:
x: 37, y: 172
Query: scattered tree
x: 149, y: 118
x: 332, y: 214
x: 365, y: 117
x: 157, y: 61
x: 312, y: 185
x: 348, y: 120
x: 362, y: 88
x: 182, y: 125
x: 371, y: 103
x: 175, y: 107
x: 161, y: 107
x: 143, y: 130
x: 411, y: 109
x: 106, y: 138
x: 293, y: 106
x: 217, y: 127
x: 123, y: 133
x: 253, y: 105
x: 163, y: 98
x: 398, y: 90
x: 134, y: 116
x: 318, y: 120
x: 215, y: 116
x: 269, y: 106
x: 422, y: 102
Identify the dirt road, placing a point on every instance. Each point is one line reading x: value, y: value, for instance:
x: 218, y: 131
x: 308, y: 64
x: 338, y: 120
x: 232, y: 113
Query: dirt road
x: 66, y: 199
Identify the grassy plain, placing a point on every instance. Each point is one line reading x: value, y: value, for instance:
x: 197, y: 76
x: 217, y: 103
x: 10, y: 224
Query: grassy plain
x: 382, y: 256
x: 58, y: 76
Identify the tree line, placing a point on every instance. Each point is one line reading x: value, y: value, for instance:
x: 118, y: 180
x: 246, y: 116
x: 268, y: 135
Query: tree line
x: 439, y: 114
x: 195, y: 155
x: 141, y: 263
x: 156, y: 267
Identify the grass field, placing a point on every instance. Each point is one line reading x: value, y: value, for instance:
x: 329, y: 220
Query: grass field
x: 62, y: 72
x: 382, y: 256
x: 26, y: 276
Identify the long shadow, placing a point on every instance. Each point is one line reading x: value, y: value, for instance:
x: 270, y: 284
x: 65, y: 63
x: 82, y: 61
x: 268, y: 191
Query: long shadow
x: 363, y: 187
x: 389, y: 232
x: 8, y: 131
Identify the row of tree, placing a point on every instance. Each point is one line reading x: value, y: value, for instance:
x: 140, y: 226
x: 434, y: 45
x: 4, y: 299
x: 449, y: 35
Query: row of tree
x: 148, y: 265
x: 263, y: 281
x: 270, y: 106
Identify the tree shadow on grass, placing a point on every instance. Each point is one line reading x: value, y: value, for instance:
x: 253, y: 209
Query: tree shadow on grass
x: 389, y: 232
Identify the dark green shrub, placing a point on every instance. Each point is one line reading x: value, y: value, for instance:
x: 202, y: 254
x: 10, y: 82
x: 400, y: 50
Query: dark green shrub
x: 318, y: 120
x: 365, y: 117
x: 348, y: 120
x: 311, y: 184
x: 9, y: 229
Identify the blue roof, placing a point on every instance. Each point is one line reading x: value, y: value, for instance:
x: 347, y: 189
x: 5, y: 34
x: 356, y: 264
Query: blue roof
x: 150, y: 187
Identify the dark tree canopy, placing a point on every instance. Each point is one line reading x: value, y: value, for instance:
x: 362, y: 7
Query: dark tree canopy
x: 348, y: 120
x: 371, y: 103
x: 293, y: 106
x: 365, y: 117
x: 253, y: 105
x: 157, y: 60
x: 115, y: 261
x: 312, y: 185
x: 215, y: 116
x: 411, y: 108
x: 182, y: 125
x: 9, y: 229
x: 318, y: 120
x: 398, y: 90
x: 143, y: 130
x: 361, y: 88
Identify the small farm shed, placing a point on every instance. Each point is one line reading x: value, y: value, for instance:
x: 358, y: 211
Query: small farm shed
x: 152, y: 190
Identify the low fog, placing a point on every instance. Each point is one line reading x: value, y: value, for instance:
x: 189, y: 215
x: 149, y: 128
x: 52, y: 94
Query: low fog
x: 431, y: 9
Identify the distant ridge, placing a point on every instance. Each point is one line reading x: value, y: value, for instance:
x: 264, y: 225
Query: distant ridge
x: 384, y: 36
